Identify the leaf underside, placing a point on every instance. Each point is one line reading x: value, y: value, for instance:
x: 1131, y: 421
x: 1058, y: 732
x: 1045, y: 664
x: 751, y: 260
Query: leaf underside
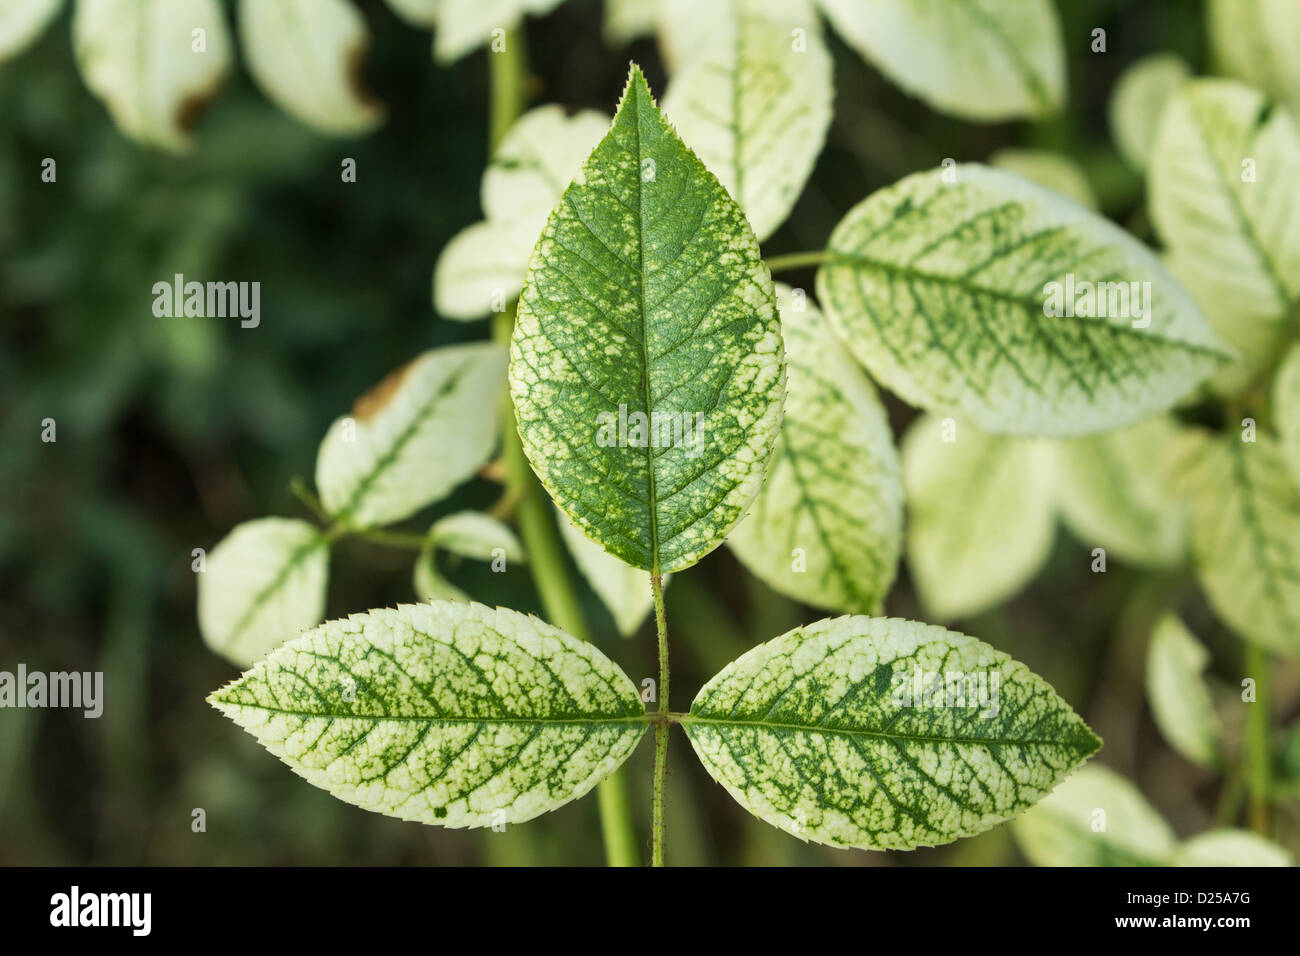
x: 445, y: 713
x: 810, y: 732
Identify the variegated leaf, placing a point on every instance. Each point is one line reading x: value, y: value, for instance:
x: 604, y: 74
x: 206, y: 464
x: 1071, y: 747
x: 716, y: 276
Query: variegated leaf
x: 884, y: 734
x: 445, y: 713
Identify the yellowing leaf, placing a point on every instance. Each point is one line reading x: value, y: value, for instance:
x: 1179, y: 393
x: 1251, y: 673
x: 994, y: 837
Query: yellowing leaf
x: 1180, y: 701
x: 263, y: 584
x: 754, y: 101
x: 307, y: 56
x: 412, y: 438
x: 981, y: 515
x: 826, y: 528
x: 983, y: 60
x: 154, y: 63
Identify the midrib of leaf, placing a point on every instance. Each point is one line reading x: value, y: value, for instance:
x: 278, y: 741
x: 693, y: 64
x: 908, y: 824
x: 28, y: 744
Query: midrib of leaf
x: 1259, y: 542
x: 1030, y: 305
x: 651, y: 498
x: 259, y: 600
x: 783, y: 726
x: 386, y: 460
x: 1247, y: 229
x: 1033, y: 84
x: 578, y: 721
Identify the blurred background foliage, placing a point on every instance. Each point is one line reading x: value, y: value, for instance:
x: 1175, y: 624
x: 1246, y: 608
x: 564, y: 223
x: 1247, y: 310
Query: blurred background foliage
x: 171, y: 431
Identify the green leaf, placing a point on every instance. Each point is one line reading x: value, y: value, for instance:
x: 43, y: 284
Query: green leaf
x: 466, y: 25
x: 1111, y: 496
x: 827, y: 526
x: 647, y: 299
x: 1095, y: 818
x: 1286, y: 409
x: 623, y: 589
x: 22, y: 21
x: 1180, y: 700
x: 483, y: 266
x: 754, y: 101
x: 954, y: 295
x: 1246, y: 535
x: 136, y: 56
x: 1056, y: 172
x: 1224, y: 168
x: 445, y: 713
x: 412, y: 438
x: 308, y: 56
x: 264, y: 583
x: 474, y: 535
x: 1231, y: 848
x: 981, y: 515
x: 826, y: 733
x: 983, y: 60
x: 1141, y: 94
x: 1256, y: 40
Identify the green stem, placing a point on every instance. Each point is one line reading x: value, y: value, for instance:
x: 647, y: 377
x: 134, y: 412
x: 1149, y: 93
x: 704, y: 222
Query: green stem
x: 797, y: 260
x: 1257, y: 754
x: 662, y: 726
x: 548, y: 565
x: 393, y: 539
x: 507, y: 71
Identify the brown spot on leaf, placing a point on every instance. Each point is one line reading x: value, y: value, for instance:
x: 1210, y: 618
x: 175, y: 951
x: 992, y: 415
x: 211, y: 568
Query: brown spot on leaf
x: 376, y: 400
x: 356, y: 74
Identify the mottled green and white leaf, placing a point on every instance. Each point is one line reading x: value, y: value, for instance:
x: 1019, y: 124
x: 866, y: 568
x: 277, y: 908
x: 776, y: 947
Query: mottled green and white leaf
x: 1095, y: 818
x: 1224, y: 175
x: 1180, y: 700
x: 1141, y: 94
x: 264, y: 584
x: 22, y: 21
x: 1231, y: 848
x: 646, y: 296
x: 414, y: 437
x: 983, y: 60
x: 447, y: 713
x: 1113, y: 494
x: 466, y: 25
x: 141, y: 58
x: 306, y: 55
x: 754, y: 101
x: 1246, y: 534
x: 1286, y: 409
x: 981, y: 515
x: 954, y: 294
x: 1056, y: 172
x: 1256, y: 41
x: 483, y: 267
x: 827, y: 526
x: 830, y: 732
